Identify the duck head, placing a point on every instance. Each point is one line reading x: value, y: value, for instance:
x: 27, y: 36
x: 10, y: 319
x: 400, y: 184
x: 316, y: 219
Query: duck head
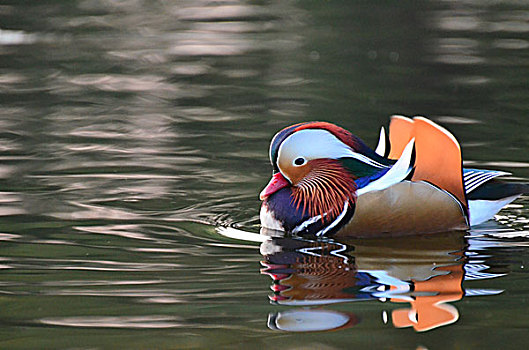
x: 317, y: 170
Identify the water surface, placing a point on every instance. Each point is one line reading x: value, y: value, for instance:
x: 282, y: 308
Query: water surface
x: 131, y: 130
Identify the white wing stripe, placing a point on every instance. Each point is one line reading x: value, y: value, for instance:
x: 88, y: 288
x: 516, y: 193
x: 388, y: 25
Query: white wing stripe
x: 335, y: 222
x: 478, y: 178
x: 306, y: 223
x: 381, y: 147
x: 471, y: 174
x: 472, y: 188
x: 367, y: 160
x: 395, y: 174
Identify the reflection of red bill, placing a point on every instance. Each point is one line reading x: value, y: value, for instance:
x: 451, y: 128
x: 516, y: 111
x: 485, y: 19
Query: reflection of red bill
x: 277, y: 298
x: 276, y: 183
x: 311, y: 320
x: 270, y: 271
x: 279, y: 287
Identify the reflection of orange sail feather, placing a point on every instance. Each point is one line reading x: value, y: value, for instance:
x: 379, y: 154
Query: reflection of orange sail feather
x: 429, y: 309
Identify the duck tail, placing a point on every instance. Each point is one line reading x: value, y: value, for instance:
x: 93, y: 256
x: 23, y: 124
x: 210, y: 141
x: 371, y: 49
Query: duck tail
x: 496, y: 190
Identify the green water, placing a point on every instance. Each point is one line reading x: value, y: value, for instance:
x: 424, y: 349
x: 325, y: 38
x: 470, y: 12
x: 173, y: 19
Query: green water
x: 130, y: 130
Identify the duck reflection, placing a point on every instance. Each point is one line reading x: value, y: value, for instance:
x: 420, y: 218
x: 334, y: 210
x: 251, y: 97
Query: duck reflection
x: 424, y: 274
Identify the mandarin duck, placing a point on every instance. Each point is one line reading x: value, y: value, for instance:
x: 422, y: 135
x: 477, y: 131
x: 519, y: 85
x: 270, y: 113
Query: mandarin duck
x: 327, y: 182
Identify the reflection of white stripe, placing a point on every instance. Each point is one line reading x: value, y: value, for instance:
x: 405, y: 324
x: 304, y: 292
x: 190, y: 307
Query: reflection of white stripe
x: 309, y: 251
x: 384, y: 278
x: 474, y: 272
x: 479, y: 292
x: 335, y: 252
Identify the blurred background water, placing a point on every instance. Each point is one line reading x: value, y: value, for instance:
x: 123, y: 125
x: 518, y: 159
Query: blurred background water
x: 130, y: 130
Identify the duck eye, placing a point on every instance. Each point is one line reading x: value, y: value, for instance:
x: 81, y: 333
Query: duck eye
x: 299, y: 161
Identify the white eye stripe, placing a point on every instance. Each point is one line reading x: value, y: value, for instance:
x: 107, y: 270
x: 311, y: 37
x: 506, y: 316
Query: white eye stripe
x: 315, y: 144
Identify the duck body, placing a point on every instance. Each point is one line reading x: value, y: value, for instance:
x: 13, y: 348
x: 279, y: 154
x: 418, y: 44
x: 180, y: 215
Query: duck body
x: 327, y: 182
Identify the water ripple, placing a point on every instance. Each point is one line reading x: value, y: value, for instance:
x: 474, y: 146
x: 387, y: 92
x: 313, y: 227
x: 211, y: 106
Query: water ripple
x: 131, y: 322
x: 16, y: 37
x: 129, y: 129
x: 92, y: 265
